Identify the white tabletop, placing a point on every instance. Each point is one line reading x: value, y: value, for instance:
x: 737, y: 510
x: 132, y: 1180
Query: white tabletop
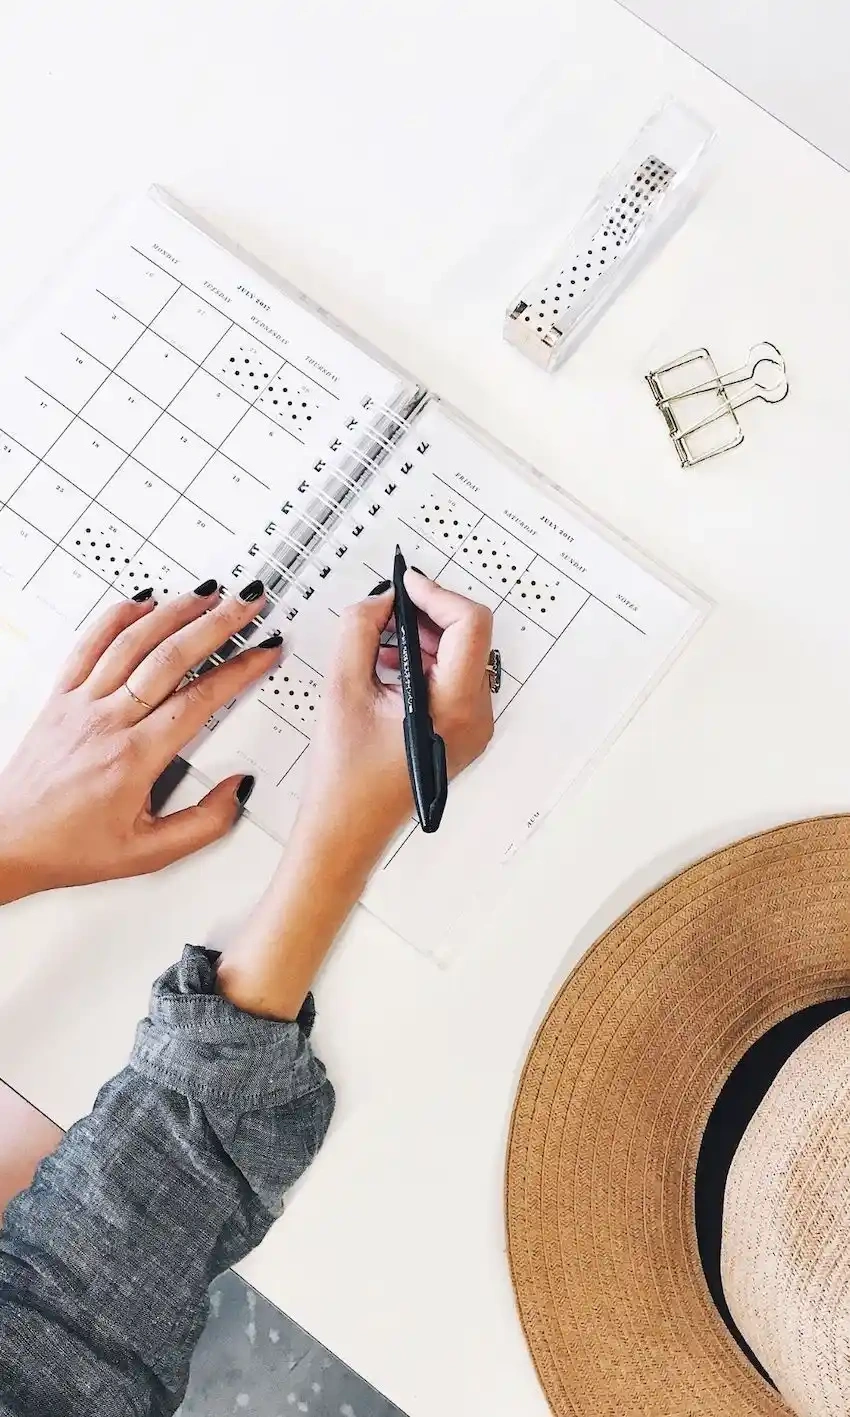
x: 408, y: 168
x: 789, y: 58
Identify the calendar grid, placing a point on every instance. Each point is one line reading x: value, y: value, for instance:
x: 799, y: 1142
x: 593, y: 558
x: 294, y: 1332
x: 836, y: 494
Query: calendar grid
x: 76, y: 414
x: 132, y: 454
x: 502, y: 596
x: 557, y: 569
x: 273, y: 352
x: 106, y: 583
x: 142, y: 394
x: 148, y: 537
x: 148, y: 540
x: 130, y: 385
x: 131, y: 451
x: 233, y: 325
x: 200, y: 367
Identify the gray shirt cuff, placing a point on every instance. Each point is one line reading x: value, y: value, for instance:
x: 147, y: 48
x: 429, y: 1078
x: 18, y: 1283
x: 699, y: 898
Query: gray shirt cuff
x: 198, y: 1043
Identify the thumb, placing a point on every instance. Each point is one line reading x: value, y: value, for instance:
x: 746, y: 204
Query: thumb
x: 178, y: 834
x: 361, y: 627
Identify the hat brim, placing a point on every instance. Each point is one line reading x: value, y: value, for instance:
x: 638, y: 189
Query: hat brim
x: 611, y: 1108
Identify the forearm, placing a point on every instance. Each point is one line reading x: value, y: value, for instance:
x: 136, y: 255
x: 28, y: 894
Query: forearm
x: 178, y: 1173
x: 275, y: 958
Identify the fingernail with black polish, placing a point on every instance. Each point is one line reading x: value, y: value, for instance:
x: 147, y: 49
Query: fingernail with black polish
x: 206, y: 587
x: 245, y: 788
x: 144, y: 594
x: 252, y: 591
x: 380, y: 588
x: 417, y: 570
x: 273, y: 642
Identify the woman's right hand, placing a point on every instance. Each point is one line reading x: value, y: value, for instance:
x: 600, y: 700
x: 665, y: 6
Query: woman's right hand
x: 358, y: 793
x: 359, y: 767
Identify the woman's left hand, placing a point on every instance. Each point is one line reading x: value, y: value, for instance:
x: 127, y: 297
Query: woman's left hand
x: 75, y: 798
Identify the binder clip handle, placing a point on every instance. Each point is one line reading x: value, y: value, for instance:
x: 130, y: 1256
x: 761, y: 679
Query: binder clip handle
x: 764, y: 372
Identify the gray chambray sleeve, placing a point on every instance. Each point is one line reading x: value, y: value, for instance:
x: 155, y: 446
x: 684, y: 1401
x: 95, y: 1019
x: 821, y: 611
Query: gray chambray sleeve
x: 177, y: 1173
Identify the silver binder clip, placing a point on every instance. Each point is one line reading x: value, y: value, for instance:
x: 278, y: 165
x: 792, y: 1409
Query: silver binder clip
x: 700, y: 405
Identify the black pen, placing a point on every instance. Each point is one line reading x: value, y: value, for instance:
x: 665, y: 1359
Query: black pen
x: 426, y: 751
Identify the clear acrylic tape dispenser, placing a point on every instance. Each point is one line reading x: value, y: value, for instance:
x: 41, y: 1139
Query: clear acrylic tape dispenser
x: 637, y: 207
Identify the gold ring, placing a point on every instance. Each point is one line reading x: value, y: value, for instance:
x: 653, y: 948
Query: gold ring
x: 137, y: 700
x: 494, y: 669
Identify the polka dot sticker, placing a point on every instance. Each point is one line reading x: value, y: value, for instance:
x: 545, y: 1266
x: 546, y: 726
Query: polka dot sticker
x: 442, y: 518
x: 294, y: 692
x: 105, y: 544
x: 545, y: 596
x: 295, y: 402
x: 493, y: 557
x: 243, y: 364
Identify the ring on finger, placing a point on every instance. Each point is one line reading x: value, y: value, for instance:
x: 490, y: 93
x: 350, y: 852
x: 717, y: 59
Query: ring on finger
x: 494, y: 670
x: 163, y: 669
x: 149, y: 708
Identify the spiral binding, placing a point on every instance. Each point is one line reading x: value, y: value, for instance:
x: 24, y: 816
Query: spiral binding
x: 283, y: 568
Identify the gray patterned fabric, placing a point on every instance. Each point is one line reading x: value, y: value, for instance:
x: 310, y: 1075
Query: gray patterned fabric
x: 177, y: 1173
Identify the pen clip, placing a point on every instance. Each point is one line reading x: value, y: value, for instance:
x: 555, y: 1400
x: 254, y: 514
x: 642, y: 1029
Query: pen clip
x: 441, y: 784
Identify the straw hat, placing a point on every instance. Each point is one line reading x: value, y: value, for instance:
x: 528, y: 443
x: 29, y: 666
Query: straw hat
x: 606, y: 1132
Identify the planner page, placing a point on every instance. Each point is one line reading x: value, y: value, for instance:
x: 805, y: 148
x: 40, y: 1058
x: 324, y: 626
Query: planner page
x: 171, y: 411
x: 585, y: 626
x: 162, y: 393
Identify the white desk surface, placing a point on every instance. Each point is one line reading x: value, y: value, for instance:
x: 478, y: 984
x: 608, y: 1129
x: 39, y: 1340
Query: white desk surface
x: 405, y: 167
x: 790, y: 58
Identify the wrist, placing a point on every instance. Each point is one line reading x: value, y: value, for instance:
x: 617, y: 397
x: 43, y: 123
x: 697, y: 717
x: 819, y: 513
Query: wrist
x: 323, y: 870
x: 15, y: 882
x: 351, y: 833
x: 18, y: 874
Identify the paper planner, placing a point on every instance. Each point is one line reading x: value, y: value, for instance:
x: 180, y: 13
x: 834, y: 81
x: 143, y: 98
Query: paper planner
x: 172, y: 410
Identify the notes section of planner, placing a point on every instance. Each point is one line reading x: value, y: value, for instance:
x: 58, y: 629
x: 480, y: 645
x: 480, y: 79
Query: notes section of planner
x: 583, y: 624
x: 162, y: 395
